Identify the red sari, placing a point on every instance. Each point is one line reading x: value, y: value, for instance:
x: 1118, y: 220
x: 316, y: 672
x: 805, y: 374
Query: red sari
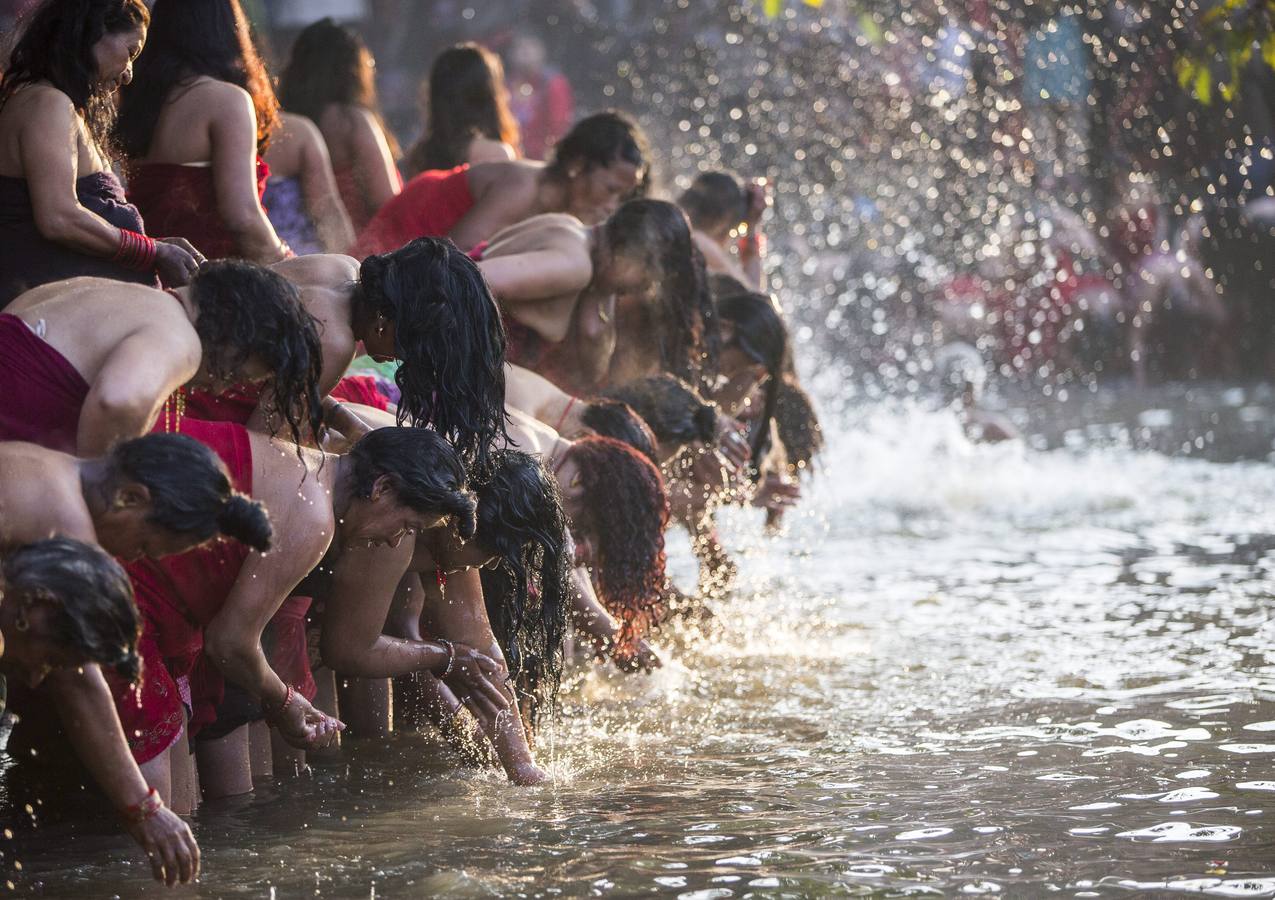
x: 429, y: 205
x: 41, y: 393
x: 181, y: 201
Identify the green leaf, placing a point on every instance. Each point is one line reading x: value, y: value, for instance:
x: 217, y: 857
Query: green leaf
x: 1268, y: 50
x: 1204, y: 85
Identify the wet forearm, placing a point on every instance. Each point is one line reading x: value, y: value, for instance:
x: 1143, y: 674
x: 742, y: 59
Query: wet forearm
x: 94, y: 731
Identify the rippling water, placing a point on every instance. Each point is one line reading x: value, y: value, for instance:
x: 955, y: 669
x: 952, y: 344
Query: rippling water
x: 962, y: 670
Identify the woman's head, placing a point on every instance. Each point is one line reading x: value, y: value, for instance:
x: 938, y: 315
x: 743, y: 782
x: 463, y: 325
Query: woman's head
x: 615, y: 499
x: 616, y: 419
x: 602, y: 161
x: 85, y: 49
x: 189, y: 39
x: 797, y: 424
x: 521, y: 523
x: 252, y: 327
x: 648, y: 244
x: 753, y: 357
x: 402, y: 481
x: 168, y: 493
x: 716, y: 203
x: 466, y: 98
x: 329, y: 64
x: 67, y: 604
x: 428, y: 305
x: 676, y: 414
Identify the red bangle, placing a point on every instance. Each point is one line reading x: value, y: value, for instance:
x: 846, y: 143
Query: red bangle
x: 148, y: 808
x: 276, y: 714
x: 451, y: 656
x: 136, y: 251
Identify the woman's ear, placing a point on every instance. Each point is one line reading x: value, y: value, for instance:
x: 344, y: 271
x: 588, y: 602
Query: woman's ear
x: 381, y: 487
x: 131, y: 495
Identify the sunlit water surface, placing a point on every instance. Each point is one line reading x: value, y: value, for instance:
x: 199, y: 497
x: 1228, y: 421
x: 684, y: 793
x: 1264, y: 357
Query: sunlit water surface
x: 961, y: 670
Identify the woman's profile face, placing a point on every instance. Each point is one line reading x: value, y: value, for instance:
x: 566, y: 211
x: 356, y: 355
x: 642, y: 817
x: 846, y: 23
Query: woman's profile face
x: 113, y: 56
x: 595, y: 193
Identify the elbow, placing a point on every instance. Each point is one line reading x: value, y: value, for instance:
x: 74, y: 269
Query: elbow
x: 226, y: 649
x: 59, y: 226
x: 338, y: 655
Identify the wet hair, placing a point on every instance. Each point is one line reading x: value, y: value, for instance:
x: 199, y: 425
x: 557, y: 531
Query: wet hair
x: 658, y: 236
x: 56, y: 46
x: 714, y: 199
x: 330, y: 64
x: 761, y: 335
x: 797, y: 423
x: 520, y: 519
x: 616, y: 419
x: 600, y: 140
x: 676, y: 414
x: 426, y: 474
x: 467, y: 98
x: 627, y: 512
x: 449, y: 337
x: 189, y: 39
x: 247, y: 311
x: 91, y: 596
x: 190, y: 490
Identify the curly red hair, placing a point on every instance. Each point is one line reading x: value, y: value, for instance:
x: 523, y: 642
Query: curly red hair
x: 627, y: 514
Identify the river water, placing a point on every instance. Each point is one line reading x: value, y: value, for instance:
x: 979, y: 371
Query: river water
x: 1025, y: 669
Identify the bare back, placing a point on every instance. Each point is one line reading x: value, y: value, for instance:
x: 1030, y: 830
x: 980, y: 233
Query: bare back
x: 40, y: 497
x: 538, y: 270
x: 327, y: 284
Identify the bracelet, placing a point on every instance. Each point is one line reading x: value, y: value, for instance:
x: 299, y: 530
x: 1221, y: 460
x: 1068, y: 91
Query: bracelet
x: 286, y: 250
x: 136, y: 251
x: 148, y: 808
x: 273, y: 716
x: 451, y: 656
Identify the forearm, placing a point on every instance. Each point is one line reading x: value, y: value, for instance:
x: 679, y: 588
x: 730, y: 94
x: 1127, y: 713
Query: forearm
x: 257, y: 240
x: 93, y: 728
x: 102, y: 425
x: 388, y: 657
x: 332, y: 222
x: 588, y: 614
x: 246, y: 665
x: 81, y: 230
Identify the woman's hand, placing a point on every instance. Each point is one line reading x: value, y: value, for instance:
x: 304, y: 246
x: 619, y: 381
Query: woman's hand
x: 528, y: 774
x: 169, y: 845
x: 305, y: 727
x: 732, y: 441
x: 777, y: 493
x: 478, y: 679
x: 643, y: 659
x: 176, y: 261
x: 760, y: 198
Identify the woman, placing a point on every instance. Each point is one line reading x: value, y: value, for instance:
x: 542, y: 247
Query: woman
x: 195, y: 123
x: 467, y: 117
x: 62, y: 210
x: 330, y: 80
x: 88, y: 362
x: 68, y: 608
x: 677, y: 415
x: 216, y: 602
x: 603, y: 160
x: 301, y: 197
x: 724, y: 210
x: 558, y: 281
x: 752, y: 362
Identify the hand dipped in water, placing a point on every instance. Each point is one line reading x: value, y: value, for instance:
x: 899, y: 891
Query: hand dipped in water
x: 777, y: 493
x: 171, y: 848
x: 527, y: 774
x: 480, y: 681
x: 732, y: 441
x: 306, y: 728
x: 643, y: 659
x: 176, y: 261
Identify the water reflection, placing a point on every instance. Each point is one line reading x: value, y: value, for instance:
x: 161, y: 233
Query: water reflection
x: 962, y: 670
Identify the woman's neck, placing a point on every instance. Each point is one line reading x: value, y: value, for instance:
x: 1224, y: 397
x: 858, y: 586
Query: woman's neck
x: 551, y: 193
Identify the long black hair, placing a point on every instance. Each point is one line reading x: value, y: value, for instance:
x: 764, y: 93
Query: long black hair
x: 467, y: 98
x: 92, y: 599
x: 601, y: 140
x: 616, y: 419
x: 449, y: 337
x: 676, y: 414
x: 187, y: 39
x: 425, y: 472
x: 330, y: 64
x: 190, y: 490
x: 760, y: 334
x: 658, y: 236
x: 520, y: 519
x: 797, y: 423
x: 247, y: 311
x: 57, y: 46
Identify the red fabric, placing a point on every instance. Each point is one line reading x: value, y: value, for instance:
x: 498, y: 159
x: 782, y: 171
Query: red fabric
x: 525, y: 347
x: 181, y: 201
x: 286, y: 647
x: 41, y: 393
x: 178, y: 596
x: 545, y: 108
x: 360, y: 389
x: 429, y: 205
x: 233, y: 405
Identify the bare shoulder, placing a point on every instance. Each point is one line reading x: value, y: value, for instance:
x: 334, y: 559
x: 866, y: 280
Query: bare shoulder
x: 484, y: 150
x: 214, y: 96
x: 329, y: 270
x: 295, y: 495
x: 548, y: 231
x: 43, y: 100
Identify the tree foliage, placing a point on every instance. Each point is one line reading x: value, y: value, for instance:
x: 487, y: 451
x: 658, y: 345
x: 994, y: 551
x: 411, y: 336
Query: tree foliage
x: 1231, y: 33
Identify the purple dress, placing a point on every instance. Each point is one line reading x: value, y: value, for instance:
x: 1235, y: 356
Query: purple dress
x: 28, y: 259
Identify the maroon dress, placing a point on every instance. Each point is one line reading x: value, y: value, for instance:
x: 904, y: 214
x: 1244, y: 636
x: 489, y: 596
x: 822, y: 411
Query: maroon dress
x: 41, y: 393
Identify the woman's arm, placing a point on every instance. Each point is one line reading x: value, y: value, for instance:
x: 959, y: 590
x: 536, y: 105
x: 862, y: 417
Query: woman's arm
x: 374, y: 167
x: 233, y: 136
x: 92, y: 726
x: 48, y: 146
x: 537, y: 275
x: 462, y: 617
x: 509, y: 197
x: 318, y: 186
x: 133, y: 383
x: 485, y: 150
x: 539, y: 397
x: 590, y: 617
